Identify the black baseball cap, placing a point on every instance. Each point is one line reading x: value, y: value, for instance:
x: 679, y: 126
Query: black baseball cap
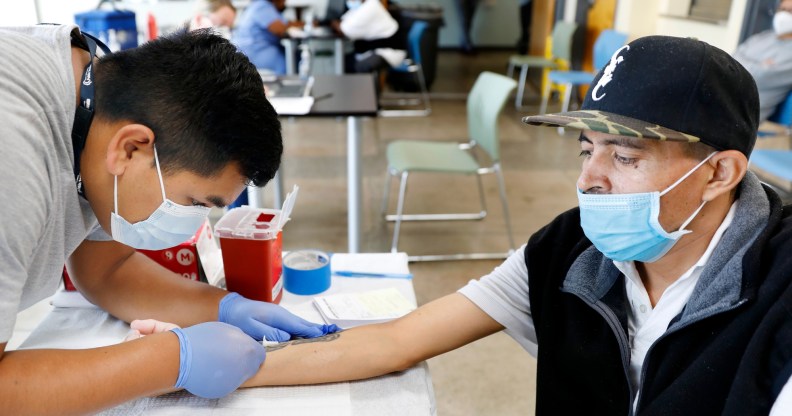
x: 669, y: 88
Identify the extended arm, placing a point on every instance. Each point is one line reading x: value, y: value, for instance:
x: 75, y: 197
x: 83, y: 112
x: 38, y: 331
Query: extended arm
x: 278, y: 28
x: 85, y: 381
x: 437, y: 327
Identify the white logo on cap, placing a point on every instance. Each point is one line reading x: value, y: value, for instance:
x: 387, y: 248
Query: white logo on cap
x: 607, y: 74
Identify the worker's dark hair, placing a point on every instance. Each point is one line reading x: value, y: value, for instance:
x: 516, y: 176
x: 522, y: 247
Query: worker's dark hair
x: 203, y: 99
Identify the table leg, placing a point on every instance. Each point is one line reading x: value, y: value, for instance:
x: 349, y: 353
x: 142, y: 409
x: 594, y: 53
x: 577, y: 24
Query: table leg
x: 354, y: 183
x: 254, y: 196
x: 338, y: 54
x: 277, y: 201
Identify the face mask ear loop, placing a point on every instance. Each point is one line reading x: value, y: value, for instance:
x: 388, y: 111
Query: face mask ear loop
x: 690, y: 218
x: 159, y: 173
x: 115, y: 194
x: 690, y: 172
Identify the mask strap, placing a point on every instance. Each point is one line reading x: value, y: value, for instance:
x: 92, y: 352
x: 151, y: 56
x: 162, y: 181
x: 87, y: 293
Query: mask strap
x: 115, y: 194
x: 690, y: 218
x: 159, y: 173
x: 690, y: 172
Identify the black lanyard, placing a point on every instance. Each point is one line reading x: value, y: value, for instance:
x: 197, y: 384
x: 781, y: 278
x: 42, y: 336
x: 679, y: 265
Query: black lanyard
x: 85, y: 110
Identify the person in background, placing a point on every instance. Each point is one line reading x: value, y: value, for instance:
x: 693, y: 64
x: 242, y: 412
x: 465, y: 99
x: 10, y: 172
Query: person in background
x: 526, y: 11
x: 214, y: 13
x: 667, y: 291
x: 768, y: 57
x: 217, y: 14
x: 466, y: 9
x: 105, y: 156
x: 259, y: 31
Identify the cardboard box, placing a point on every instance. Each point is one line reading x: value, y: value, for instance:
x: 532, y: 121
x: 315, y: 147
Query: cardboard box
x: 196, y: 259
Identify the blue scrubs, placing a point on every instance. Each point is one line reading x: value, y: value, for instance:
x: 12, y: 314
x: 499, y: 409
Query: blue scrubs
x: 253, y: 38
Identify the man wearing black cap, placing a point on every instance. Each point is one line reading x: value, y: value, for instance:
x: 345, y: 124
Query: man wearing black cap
x: 665, y: 292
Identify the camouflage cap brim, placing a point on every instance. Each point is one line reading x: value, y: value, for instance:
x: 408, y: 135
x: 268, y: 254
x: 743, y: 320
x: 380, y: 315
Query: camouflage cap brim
x: 609, y: 123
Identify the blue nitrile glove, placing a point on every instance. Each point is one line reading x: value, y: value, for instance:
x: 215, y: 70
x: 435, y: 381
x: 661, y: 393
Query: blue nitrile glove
x: 216, y: 358
x: 262, y: 319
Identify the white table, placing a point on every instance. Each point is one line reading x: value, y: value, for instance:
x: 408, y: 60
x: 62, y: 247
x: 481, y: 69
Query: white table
x: 404, y: 394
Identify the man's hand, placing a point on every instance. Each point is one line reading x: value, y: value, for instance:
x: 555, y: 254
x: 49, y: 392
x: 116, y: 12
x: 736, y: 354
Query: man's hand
x: 216, y: 358
x: 265, y: 320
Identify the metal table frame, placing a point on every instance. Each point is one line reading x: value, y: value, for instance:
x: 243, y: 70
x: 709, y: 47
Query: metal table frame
x: 351, y: 96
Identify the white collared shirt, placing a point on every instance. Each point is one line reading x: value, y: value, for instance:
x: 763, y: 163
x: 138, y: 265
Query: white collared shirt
x: 645, y: 324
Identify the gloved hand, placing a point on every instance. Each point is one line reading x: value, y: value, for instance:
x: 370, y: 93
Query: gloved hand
x: 262, y: 319
x: 216, y: 358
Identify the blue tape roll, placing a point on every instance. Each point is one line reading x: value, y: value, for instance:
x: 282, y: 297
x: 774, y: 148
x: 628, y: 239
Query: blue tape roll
x: 306, y: 272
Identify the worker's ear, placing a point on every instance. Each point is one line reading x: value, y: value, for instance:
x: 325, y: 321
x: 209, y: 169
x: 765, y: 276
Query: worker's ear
x: 729, y: 169
x: 132, y: 143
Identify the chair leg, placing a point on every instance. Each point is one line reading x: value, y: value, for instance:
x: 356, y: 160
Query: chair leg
x: 545, y: 97
x: 565, y: 105
x: 510, y: 71
x: 518, y: 101
x: 399, y: 212
x: 505, y: 204
x: 417, y: 71
x: 424, y: 90
x: 386, y: 194
x: 483, y: 200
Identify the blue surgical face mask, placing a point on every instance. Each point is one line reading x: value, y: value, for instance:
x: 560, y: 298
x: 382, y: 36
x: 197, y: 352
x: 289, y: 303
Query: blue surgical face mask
x: 170, y: 225
x: 626, y: 227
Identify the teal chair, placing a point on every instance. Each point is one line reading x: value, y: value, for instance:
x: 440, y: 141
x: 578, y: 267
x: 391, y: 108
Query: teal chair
x: 562, y: 37
x: 484, y: 105
x: 411, y: 65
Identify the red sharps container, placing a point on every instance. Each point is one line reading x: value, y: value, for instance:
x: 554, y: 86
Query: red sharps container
x: 250, y: 239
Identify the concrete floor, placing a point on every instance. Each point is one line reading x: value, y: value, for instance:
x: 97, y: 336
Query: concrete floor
x: 493, y: 376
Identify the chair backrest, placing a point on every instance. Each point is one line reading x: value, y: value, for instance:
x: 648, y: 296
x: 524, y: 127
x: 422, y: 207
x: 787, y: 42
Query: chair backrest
x: 484, y: 105
x: 414, y: 40
x: 608, y: 42
x: 563, y: 36
x: 783, y: 113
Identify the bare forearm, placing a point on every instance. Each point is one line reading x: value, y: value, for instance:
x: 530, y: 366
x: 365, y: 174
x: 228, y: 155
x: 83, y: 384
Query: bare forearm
x: 349, y: 355
x: 142, y: 289
x: 84, y: 381
x: 131, y: 286
x: 372, y: 350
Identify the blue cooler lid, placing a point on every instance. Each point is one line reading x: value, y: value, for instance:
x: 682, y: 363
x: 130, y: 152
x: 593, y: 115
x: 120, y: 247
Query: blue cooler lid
x: 103, y: 20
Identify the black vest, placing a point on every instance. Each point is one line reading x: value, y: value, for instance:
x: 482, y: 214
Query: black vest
x: 732, y: 362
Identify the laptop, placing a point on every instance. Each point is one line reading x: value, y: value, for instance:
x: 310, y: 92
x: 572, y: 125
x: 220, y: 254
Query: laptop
x: 288, y: 86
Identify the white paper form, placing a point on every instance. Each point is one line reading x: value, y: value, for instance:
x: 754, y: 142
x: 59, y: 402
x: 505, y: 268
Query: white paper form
x: 370, y: 262
x: 288, y: 106
x: 352, y: 309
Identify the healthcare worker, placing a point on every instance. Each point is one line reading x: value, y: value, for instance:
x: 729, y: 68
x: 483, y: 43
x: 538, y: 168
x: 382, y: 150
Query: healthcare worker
x: 104, y: 156
x: 259, y: 31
